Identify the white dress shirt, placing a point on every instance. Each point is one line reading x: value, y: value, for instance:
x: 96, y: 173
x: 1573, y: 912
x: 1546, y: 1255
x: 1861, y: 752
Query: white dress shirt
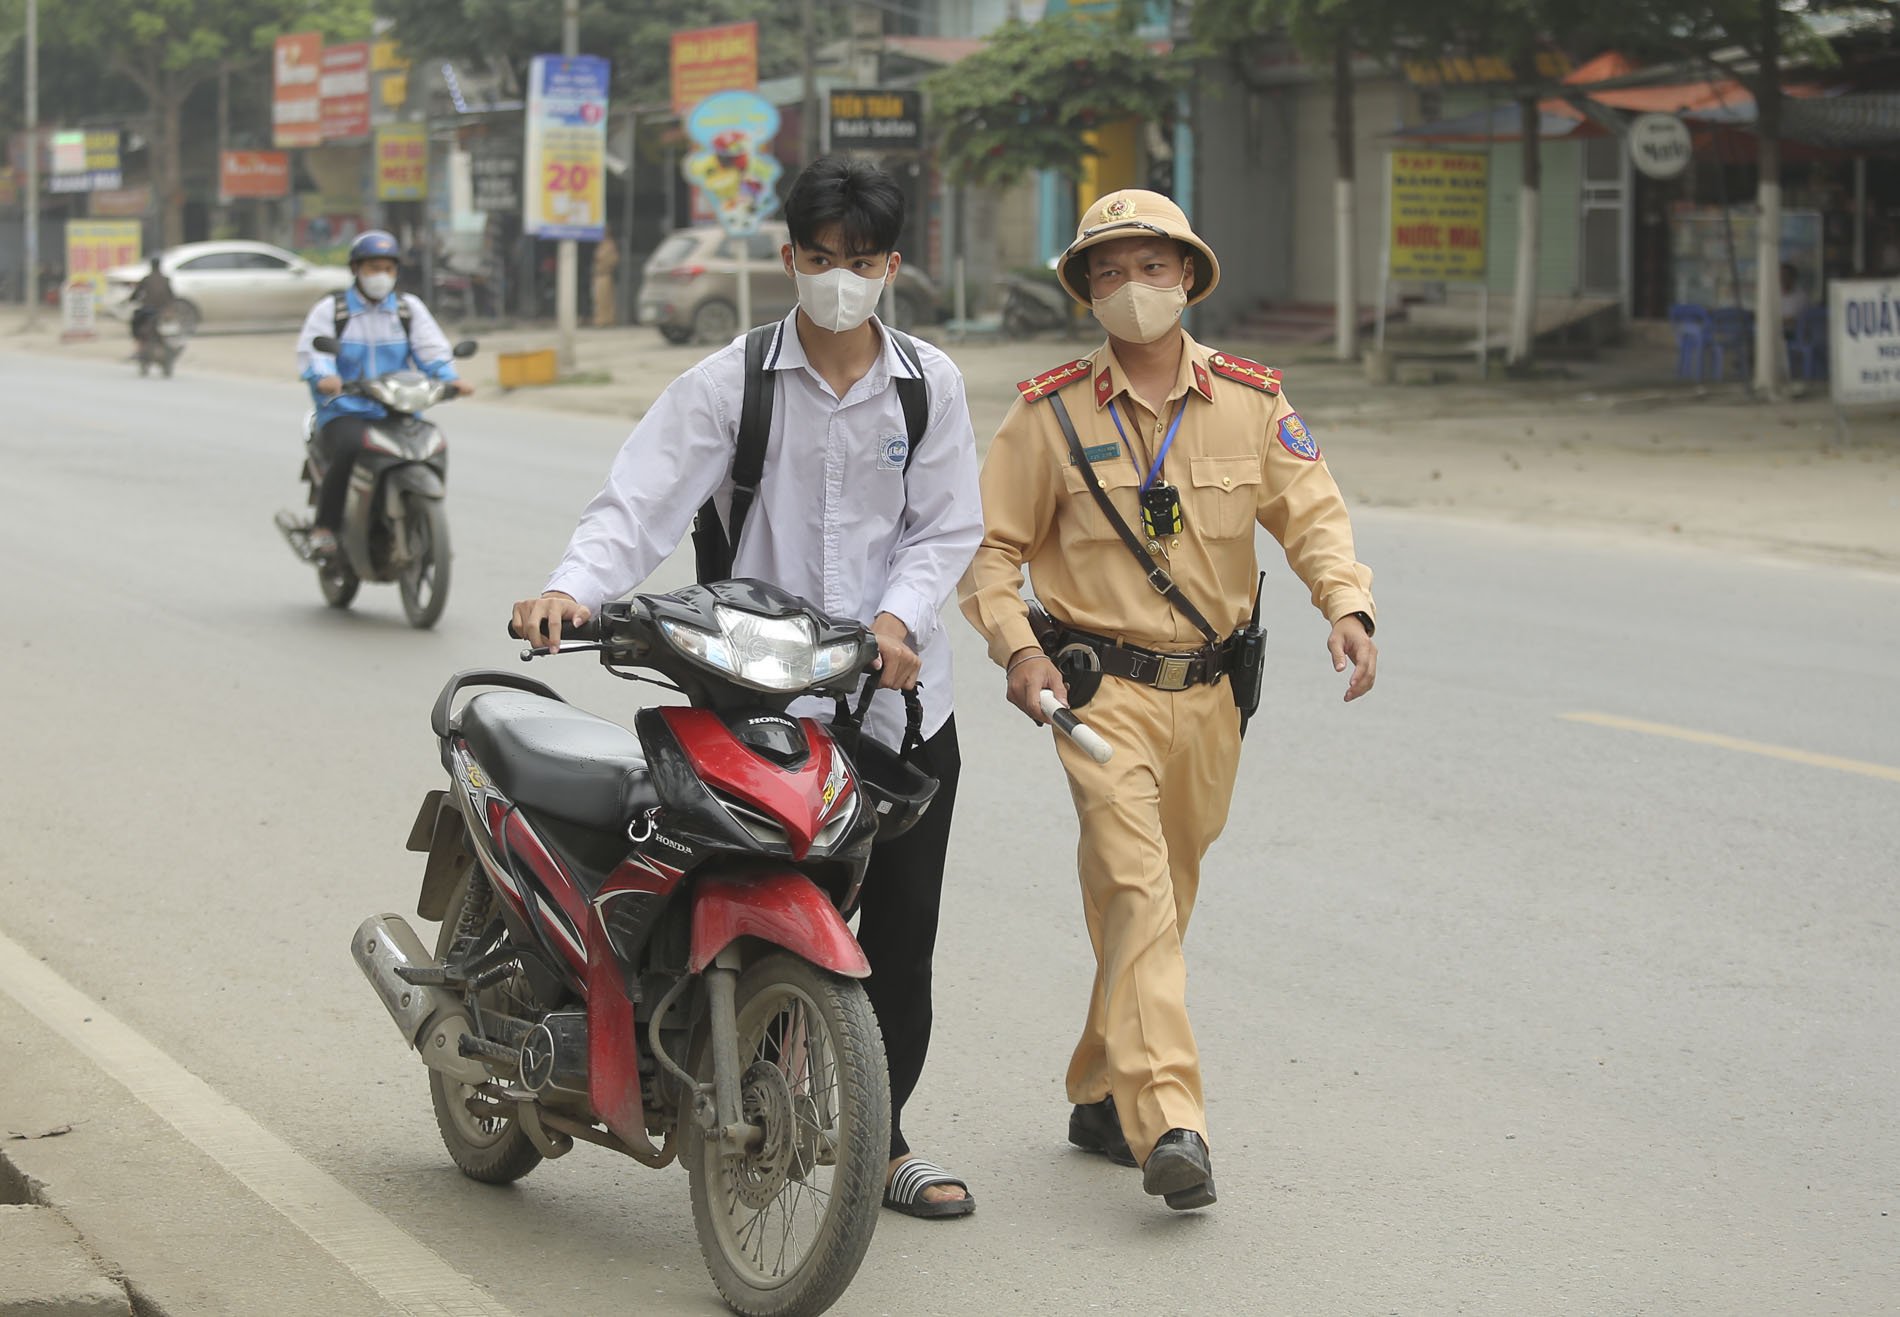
x: 837, y: 518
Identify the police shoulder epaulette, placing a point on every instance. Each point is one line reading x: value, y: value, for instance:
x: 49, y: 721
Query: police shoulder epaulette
x: 1251, y: 373
x: 1050, y: 380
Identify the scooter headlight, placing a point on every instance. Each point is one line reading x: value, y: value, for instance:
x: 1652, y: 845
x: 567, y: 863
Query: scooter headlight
x: 407, y: 392
x: 768, y: 653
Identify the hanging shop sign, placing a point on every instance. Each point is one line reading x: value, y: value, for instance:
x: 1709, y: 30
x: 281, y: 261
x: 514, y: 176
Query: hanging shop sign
x: 1438, y: 201
x: 875, y: 117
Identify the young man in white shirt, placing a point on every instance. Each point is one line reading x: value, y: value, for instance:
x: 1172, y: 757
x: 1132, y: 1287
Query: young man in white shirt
x: 849, y: 516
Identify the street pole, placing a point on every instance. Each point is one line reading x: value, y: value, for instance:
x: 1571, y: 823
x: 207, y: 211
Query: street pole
x: 31, y: 281
x: 808, y: 58
x: 567, y: 255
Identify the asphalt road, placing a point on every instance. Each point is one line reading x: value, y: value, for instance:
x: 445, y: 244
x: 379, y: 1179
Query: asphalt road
x: 1501, y: 1011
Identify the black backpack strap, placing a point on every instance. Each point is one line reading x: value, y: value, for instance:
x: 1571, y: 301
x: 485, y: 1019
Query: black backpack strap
x: 714, y: 545
x: 913, y: 393
x: 341, y: 304
x: 403, y: 314
x: 1157, y: 575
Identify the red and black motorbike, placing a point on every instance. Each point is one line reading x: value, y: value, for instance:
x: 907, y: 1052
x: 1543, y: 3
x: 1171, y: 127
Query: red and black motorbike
x: 643, y: 941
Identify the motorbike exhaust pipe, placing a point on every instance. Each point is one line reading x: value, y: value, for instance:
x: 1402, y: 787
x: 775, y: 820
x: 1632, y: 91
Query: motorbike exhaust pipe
x: 432, y: 1020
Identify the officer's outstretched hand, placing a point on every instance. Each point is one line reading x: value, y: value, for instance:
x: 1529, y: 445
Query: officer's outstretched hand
x: 1031, y: 672
x: 1349, y: 641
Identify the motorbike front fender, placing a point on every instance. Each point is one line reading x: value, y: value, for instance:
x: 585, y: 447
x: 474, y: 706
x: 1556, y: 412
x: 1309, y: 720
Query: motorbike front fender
x: 418, y: 478
x: 782, y: 907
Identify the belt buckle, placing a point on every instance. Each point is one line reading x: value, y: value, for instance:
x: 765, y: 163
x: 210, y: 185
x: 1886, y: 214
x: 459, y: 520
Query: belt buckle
x: 1172, y: 672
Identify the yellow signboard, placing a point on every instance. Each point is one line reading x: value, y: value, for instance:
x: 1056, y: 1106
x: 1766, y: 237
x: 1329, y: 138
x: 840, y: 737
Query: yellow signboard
x: 402, y: 162
x: 96, y: 246
x: 1438, y: 201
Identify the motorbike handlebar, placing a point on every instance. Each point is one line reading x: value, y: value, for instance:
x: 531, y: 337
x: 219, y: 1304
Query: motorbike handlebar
x: 588, y: 631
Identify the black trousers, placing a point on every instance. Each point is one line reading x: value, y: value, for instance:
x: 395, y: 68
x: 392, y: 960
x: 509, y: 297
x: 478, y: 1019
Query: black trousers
x: 340, y: 440
x: 897, y: 926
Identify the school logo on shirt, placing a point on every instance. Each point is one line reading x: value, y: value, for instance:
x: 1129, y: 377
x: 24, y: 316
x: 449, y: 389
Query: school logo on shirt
x: 891, y: 454
x: 1296, y: 438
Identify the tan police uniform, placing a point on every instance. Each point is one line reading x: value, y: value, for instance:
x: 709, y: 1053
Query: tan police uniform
x: 1241, y: 457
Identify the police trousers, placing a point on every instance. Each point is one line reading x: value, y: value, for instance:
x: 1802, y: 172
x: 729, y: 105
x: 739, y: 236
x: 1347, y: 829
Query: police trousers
x: 1147, y: 818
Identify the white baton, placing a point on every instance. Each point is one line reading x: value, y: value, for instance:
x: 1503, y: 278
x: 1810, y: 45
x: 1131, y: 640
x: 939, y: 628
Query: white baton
x: 1075, y: 729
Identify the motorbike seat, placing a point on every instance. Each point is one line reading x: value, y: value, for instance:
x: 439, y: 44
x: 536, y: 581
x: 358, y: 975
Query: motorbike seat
x: 558, y: 760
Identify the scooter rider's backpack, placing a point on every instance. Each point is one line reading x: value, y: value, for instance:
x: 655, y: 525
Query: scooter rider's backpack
x: 714, y: 544
x: 341, y: 301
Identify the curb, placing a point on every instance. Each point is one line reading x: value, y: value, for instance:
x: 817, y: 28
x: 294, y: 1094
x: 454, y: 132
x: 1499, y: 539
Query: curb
x: 50, y: 1271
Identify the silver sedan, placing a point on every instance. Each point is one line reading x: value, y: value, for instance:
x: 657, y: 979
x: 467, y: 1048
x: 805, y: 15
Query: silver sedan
x: 248, y: 283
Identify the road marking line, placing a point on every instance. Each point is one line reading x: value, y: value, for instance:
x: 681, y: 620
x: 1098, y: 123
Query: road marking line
x: 409, y: 1276
x: 1885, y: 772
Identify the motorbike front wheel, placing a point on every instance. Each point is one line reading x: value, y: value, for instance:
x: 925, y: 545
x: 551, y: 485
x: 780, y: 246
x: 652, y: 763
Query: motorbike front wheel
x: 490, y: 1147
x: 784, y: 1226
x: 425, y: 581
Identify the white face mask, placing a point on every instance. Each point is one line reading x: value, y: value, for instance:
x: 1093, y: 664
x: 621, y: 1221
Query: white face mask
x: 376, y: 286
x: 838, y: 300
x: 1141, y: 313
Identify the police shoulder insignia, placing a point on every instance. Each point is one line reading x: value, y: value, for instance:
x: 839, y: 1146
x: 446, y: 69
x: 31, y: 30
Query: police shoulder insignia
x: 1251, y: 373
x: 1297, y: 439
x: 1049, y: 381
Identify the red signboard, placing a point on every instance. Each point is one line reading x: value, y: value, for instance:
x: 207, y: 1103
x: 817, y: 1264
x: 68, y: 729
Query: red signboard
x: 710, y: 59
x: 296, y: 110
x: 344, y: 87
x: 264, y: 175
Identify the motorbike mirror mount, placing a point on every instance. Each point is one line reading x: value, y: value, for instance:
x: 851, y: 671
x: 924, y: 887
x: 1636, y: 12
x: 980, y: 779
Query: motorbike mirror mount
x: 325, y: 344
x: 466, y: 348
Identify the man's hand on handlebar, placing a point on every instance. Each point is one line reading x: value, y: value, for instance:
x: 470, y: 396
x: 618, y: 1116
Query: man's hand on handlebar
x: 329, y: 385
x: 1031, y: 672
x: 898, y: 664
x: 539, y: 621
x: 461, y: 388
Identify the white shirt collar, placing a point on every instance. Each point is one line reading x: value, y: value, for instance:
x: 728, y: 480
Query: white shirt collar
x: 788, y: 351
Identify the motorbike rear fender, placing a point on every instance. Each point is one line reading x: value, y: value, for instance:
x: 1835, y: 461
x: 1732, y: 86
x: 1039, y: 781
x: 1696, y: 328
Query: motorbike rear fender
x: 439, y: 831
x: 780, y: 906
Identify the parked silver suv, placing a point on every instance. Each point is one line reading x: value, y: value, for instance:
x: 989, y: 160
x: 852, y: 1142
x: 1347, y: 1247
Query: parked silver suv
x: 689, y: 288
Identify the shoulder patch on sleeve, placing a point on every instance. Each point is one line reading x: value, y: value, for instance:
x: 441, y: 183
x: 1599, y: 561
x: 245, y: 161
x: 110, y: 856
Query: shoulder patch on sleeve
x: 1251, y: 373
x: 1297, y: 439
x: 1041, y: 386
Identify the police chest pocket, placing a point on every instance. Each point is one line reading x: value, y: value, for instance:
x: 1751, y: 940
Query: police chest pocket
x: 1082, y: 517
x: 1225, y: 497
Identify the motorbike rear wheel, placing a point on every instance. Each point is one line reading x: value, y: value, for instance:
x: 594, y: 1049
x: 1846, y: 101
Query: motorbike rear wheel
x: 785, y: 1226
x: 425, y: 581
x: 338, y: 580
x: 492, y: 1149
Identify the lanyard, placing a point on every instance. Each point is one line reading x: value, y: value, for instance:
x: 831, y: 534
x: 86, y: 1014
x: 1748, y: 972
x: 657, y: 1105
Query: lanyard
x: 1154, y: 471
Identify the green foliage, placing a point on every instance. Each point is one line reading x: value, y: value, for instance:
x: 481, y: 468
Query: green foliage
x: 190, y: 39
x: 1024, y: 103
x: 636, y: 37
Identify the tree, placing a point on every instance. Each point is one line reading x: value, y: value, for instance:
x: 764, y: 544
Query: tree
x: 168, y: 48
x: 1327, y: 33
x: 1027, y: 101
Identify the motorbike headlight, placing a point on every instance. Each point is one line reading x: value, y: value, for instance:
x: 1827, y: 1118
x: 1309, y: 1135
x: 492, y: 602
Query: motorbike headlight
x: 408, y: 392
x: 770, y: 653
x: 834, y: 660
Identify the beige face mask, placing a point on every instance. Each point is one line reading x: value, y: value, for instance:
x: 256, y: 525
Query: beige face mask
x: 1141, y: 313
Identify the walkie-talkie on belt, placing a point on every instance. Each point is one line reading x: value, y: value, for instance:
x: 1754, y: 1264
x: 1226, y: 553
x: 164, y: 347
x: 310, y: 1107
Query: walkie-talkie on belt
x: 1247, y: 668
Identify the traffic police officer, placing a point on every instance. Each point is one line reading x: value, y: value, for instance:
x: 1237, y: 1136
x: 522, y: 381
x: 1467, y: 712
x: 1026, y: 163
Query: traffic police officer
x: 1192, y: 447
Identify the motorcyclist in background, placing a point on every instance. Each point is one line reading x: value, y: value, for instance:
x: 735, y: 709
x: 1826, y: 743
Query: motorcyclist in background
x: 378, y: 331
x: 154, y: 297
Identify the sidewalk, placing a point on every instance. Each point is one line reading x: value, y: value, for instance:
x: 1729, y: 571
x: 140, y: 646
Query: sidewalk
x: 1612, y: 442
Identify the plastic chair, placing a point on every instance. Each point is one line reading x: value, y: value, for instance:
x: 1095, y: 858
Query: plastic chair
x: 1733, y: 331
x: 1807, y: 345
x: 1694, y: 332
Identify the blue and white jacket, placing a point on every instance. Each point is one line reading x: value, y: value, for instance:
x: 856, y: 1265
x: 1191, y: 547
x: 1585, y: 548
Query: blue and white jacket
x: 372, y: 344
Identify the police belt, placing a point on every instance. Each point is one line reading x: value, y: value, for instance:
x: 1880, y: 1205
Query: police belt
x: 1147, y: 667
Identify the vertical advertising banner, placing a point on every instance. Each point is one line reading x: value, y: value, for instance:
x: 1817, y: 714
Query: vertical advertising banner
x: 95, y: 246
x: 389, y: 82
x: 344, y: 92
x: 708, y: 60
x: 296, y: 104
x: 565, y: 160
x: 731, y: 162
x: 1438, y: 204
x: 402, y: 162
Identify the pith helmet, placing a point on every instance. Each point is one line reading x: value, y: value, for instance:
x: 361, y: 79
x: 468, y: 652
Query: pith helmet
x: 1129, y: 214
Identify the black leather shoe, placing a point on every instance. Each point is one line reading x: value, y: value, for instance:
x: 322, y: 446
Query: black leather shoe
x: 1096, y: 1128
x: 1179, y: 1171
